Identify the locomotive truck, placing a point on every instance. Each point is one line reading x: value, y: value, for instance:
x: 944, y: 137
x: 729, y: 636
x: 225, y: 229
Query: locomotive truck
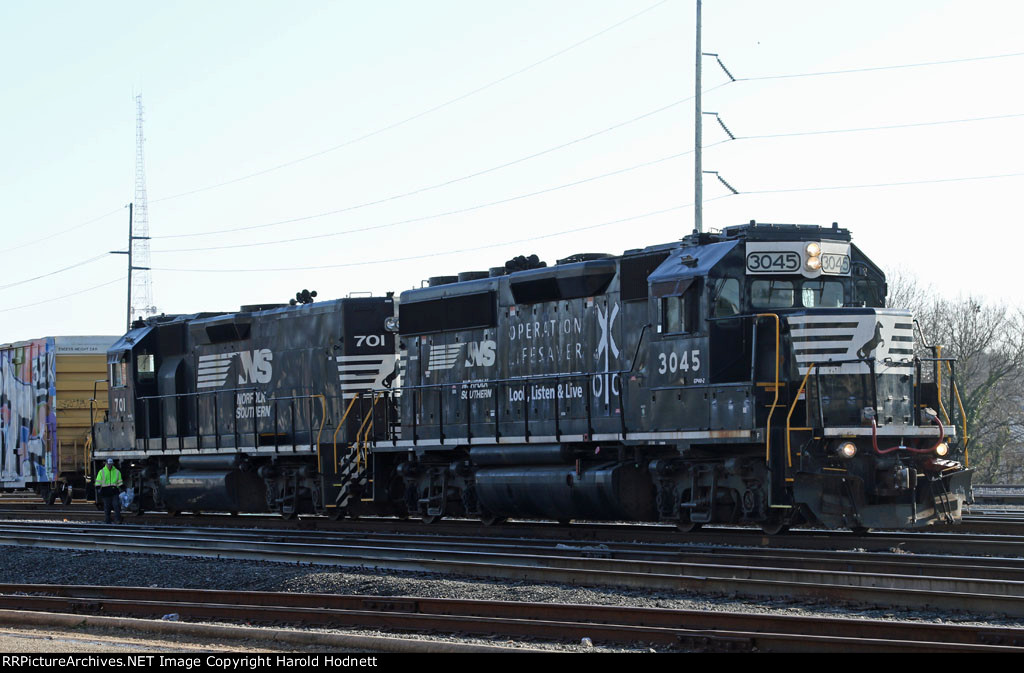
x: 752, y: 375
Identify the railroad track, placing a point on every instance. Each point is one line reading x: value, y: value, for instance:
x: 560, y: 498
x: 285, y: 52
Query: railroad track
x: 683, y: 629
x: 992, y: 534
x: 998, y: 522
x: 909, y: 581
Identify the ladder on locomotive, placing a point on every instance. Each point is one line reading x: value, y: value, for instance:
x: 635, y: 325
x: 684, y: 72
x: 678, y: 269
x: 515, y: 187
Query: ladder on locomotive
x: 350, y: 471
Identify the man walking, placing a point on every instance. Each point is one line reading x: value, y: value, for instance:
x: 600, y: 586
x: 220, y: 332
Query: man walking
x: 108, y: 484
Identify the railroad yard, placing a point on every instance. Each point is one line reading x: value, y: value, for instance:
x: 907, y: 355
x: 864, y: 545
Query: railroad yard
x: 398, y: 585
x: 431, y: 350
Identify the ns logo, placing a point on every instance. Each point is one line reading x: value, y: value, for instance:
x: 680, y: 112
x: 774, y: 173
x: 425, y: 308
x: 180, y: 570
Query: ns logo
x: 256, y: 367
x: 481, y: 354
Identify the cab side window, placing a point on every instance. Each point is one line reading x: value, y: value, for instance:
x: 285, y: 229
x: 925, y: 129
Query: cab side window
x: 145, y: 368
x: 118, y: 373
x: 680, y: 314
x: 725, y: 301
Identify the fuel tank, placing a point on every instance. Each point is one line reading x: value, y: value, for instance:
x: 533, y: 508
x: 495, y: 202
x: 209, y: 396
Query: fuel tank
x: 609, y: 492
x: 212, y: 484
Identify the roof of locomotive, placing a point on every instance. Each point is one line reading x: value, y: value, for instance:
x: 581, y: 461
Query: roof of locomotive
x: 713, y: 246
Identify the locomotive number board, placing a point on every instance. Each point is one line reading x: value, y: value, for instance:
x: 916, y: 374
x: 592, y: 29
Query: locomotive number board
x: 784, y: 257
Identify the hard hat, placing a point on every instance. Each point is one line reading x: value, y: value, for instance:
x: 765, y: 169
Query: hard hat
x: 110, y: 461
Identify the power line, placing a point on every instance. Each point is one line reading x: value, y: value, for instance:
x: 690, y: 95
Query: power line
x: 53, y: 273
x: 881, y: 67
x: 62, y: 232
x: 447, y: 252
x: 592, y: 226
x: 418, y: 115
x: 884, y: 184
x: 37, y: 302
x: 881, y: 128
x: 522, y: 196
x: 444, y: 213
x: 446, y: 183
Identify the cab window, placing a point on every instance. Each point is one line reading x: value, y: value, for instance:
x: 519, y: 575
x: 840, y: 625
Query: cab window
x: 679, y: 314
x: 868, y: 293
x: 726, y: 298
x: 118, y: 373
x: 771, y: 294
x: 822, y: 294
x: 145, y: 367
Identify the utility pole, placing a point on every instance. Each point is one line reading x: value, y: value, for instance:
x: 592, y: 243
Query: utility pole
x: 698, y: 173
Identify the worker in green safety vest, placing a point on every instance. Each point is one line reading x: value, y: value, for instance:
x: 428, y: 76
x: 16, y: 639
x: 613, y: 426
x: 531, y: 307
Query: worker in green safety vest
x: 108, y: 486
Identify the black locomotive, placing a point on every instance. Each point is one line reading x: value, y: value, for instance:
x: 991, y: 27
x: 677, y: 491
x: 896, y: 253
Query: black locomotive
x: 749, y: 376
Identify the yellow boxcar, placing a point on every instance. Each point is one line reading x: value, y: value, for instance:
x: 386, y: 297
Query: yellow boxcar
x: 48, y: 388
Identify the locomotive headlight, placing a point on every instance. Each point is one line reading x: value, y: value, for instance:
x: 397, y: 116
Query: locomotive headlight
x: 846, y: 450
x: 942, y: 449
x: 813, y: 251
x: 391, y: 324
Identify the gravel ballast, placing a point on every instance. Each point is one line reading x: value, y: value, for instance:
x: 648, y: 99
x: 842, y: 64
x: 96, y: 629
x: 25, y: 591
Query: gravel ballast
x: 48, y: 566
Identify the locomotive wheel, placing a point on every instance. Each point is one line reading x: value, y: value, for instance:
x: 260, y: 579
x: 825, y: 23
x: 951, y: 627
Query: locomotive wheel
x: 689, y: 526
x: 860, y: 530
x: 65, y: 496
x: 430, y: 518
x: 336, y: 513
x: 289, y: 514
x: 493, y: 520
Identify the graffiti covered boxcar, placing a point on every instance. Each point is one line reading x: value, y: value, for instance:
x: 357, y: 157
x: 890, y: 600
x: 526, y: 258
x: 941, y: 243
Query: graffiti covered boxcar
x: 46, y: 388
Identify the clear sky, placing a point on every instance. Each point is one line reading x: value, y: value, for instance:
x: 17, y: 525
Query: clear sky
x: 351, y: 146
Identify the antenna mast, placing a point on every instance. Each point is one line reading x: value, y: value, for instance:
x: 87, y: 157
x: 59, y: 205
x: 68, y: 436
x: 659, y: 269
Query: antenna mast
x: 141, y: 282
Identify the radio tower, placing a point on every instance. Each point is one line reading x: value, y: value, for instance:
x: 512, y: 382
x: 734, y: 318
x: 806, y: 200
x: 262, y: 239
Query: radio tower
x: 142, y: 282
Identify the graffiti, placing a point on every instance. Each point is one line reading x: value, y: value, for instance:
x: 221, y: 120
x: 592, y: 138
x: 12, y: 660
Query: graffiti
x: 28, y: 421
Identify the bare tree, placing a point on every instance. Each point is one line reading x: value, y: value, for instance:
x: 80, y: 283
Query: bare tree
x: 987, y: 340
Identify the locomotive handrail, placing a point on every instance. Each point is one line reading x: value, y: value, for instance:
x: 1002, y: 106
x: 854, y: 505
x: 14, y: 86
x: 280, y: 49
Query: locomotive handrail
x: 92, y: 430
x: 275, y: 400
x: 341, y: 424
x: 323, y: 420
x: 954, y: 393
x: 523, y: 381
x: 792, y: 407
x: 362, y: 435
x: 768, y: 424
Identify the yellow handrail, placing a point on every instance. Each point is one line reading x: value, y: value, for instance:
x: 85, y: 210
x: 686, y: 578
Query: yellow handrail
x: 341, y: 424
x: 362, y: 437
x: 768, y: 428
x: 789, y: 454
x: 963, y: 413
x: 938, y: 382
